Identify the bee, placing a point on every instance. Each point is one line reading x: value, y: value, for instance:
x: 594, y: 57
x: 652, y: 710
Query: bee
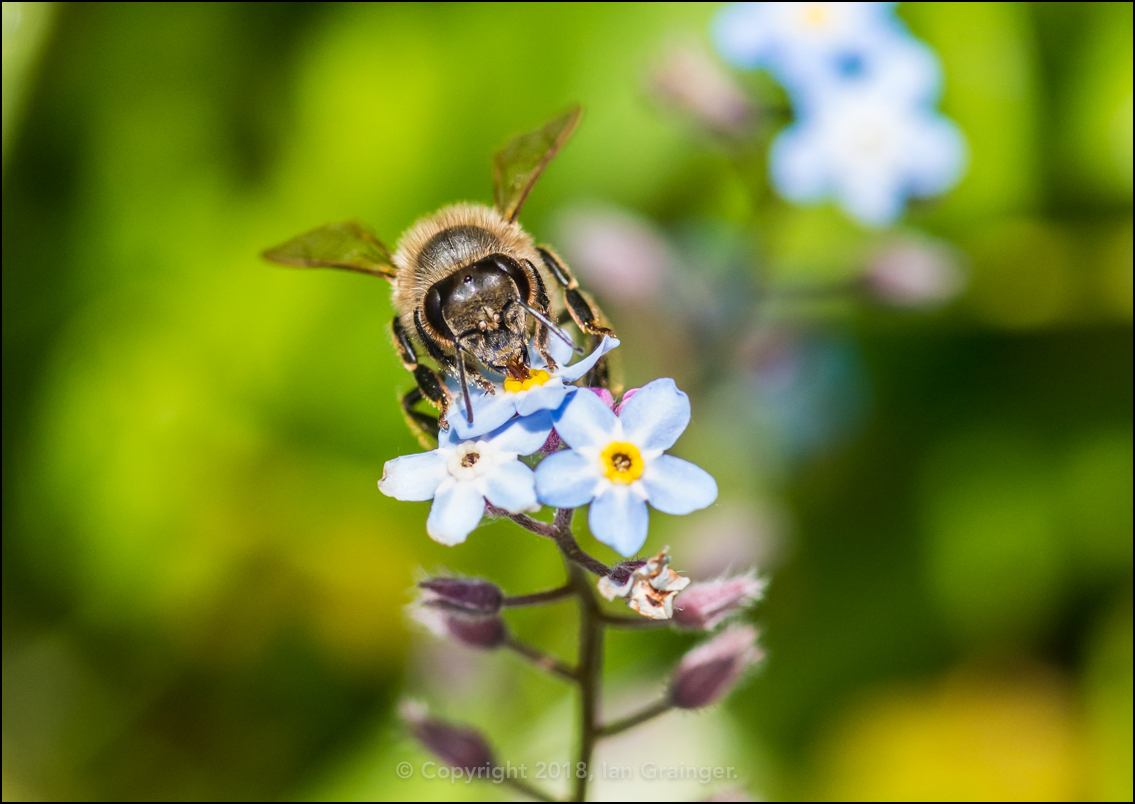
x: 470, y: 286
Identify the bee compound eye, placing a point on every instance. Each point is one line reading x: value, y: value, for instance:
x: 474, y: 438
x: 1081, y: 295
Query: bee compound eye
x: 512, y: 268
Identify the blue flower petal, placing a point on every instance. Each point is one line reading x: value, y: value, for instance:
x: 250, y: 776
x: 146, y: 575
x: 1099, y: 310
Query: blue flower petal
x: 574, y: 372
x: 798, y: 171
x: 585, y: 421
x: 457, y: 509
x: 413, y: 478
x: 490, y: 411
x: 938, y: 156
x: 545, y: 397
x: 566, y: 479
x: 739, y: 31
x: 561, y: 352
x: 511, y: 486
x: 655, y: 416
x: 524, y: 435
x: 618, y: 518
x: 678, y: 487
x: 876, y: 201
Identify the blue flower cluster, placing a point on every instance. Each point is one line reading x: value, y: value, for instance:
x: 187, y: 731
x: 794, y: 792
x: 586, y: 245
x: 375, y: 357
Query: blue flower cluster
x: 863, y: 90
x: 611, y: 459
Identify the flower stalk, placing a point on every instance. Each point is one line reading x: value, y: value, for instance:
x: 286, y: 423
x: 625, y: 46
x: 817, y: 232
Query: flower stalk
x: 586, y: 451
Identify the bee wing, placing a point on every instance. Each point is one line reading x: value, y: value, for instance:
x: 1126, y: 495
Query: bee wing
x: 350, y: 246
x: 520, y: 162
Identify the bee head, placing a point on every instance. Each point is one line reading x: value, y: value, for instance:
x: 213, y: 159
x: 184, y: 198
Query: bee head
x: 481, y: 307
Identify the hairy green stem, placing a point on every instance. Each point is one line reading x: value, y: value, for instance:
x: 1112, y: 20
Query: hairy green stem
x: 589, y: 673
x: 540, y: 659
x: 634, y: 623
x: 538, y: 598
x: 652, y: 711
x: 559, y: 533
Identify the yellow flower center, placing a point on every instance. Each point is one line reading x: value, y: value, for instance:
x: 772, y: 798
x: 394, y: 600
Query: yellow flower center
x: 622, y: 462
x: 816, y: 15
x: 537, y: 378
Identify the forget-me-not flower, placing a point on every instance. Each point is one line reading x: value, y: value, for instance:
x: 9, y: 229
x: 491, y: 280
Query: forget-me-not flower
x: 863, y: 90
x: 461, y: 474
x: 616, y: 463
x: 817, y: 48
x: 870, y: 153
x: 546, y: 389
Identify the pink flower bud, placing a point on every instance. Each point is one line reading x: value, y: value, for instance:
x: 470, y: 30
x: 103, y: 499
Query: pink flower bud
x: 708, y: 672
x: 915, y: 273
x: 605, y: 395
x: 464, y: 594
x: 484, y: 632
x: 457, y: 747
x: 626, y: 398
x: 703, y: 606
x: 620, y: 255
x: 687, y: 80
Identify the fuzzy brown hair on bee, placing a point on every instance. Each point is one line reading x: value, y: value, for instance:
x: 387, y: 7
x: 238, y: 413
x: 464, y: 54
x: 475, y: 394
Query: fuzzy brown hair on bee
x: 470, y: 285
x: 464, y: 276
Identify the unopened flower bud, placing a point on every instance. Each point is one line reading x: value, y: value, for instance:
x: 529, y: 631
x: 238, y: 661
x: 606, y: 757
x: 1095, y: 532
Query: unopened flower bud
x: 457, y: 747
x: 915, y: 273
x: 462, y: 594
x: 605, y: 395
x: 626, y: 398
x: 708, y: 672
x: 689, y: 81
x: 482, y: 631
x: 703, y: 606
x: 621, y: 255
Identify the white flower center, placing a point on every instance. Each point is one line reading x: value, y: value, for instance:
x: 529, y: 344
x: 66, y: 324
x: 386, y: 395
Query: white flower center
x: 471, y: 460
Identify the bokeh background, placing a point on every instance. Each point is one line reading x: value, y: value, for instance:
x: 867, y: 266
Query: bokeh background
x: 202, y: 587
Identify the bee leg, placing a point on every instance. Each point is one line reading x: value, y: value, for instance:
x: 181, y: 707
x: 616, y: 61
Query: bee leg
x: 449, y: 364
x: 422, y: 425
x: 586, y: 314
x: 485, y: 384
x: 430, y: 386
x: 583, y: 310
x: 541, y: 303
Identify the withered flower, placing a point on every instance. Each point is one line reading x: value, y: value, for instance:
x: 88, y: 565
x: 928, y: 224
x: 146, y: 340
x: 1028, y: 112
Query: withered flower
x: 649, y: 588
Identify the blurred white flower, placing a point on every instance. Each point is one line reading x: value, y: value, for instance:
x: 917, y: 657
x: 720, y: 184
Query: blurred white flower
x: 863, y: 90
x: 869, y: 153
x: 814, y: 49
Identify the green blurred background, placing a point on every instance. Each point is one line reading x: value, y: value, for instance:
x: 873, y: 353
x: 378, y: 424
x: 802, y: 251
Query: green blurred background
x: 202, y: 587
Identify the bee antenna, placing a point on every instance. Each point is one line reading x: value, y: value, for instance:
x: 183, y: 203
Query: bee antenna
x: 464, y: 385
x: 559, y: 333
